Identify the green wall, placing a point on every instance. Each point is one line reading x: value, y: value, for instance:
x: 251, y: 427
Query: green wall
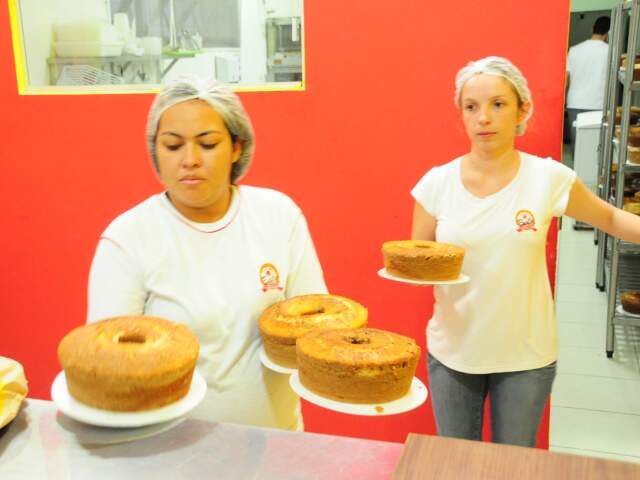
x: 590, y: 5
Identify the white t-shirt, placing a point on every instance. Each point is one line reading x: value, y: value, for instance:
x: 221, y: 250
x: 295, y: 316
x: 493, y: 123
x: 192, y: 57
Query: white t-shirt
x: 216, y: 278
x: 587, y: 67
x: 503, y: 319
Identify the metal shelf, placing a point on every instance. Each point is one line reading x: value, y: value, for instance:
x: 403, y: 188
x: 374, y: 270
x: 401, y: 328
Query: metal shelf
x: 618, y: 266
x: 629, y: 279
x: 628, y: 248
x: 625, y: 248
x: 629, y: 167
x: 635, y: 85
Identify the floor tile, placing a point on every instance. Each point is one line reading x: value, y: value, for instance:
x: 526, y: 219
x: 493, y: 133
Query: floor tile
x: 595, y: 453
x: 597, y: 393
x: 592, y: 430
x: 593, y: 361
x: 581, y: 312
x: 570, y: 258
x: 579, y: 293
x: 581, y: 334
x: 581, y: 239
x: 577, y: 275
x: 585, y: 275
x: 595, y: 405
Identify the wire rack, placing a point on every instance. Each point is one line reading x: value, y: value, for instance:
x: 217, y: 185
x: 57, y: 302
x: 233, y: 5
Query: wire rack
x: 86, y: 75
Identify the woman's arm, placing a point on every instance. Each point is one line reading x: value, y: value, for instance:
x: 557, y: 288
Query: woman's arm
x: 424, y: 224
x: 586, y: 207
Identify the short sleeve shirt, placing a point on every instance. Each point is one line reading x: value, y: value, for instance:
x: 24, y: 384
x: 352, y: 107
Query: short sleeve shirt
x: 503, y: 319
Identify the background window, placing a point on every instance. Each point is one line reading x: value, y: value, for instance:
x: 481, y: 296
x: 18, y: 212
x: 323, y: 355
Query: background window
x: 125, y: 45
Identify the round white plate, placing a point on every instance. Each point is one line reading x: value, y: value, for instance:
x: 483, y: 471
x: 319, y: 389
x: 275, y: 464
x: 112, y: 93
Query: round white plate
x: 105, y: 418
x: 416, y: 396
x: 94, y: 435
x: 271, y: 365
x: 622, y: 311
x: 461, y: 279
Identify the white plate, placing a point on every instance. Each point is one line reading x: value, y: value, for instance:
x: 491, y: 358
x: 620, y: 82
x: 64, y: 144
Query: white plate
x: 461, y: 279
x: 94, y: 435
x: 622, y: 311
x: 105, y: 418
x: 271, y: 365
x: 416, y: 396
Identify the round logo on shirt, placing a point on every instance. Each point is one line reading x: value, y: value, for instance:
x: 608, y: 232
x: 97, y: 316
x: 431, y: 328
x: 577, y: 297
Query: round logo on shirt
x: 525, y: 221
x: 269, y: 277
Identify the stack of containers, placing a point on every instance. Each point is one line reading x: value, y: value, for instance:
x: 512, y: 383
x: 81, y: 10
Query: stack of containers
x: 87, y: 38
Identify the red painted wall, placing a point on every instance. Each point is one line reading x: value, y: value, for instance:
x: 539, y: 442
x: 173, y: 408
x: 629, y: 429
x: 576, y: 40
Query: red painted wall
x: 377, y: 113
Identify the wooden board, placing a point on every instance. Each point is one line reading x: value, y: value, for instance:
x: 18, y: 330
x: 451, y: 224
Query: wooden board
x: 450, y: 458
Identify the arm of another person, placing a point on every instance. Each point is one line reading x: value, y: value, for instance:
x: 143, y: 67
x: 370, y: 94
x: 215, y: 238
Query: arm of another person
x: 423, y: 226
x: 583, y: 205
x: 305, y: 273
x: 115, y: 286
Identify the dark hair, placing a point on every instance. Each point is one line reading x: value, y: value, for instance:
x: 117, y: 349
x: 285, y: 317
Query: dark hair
x: 601, y: 26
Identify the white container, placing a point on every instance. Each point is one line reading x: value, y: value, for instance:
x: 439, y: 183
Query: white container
x: 86, y: 31
x: 585, y: 162
x: 121, y: 23
x: 88, y: 49
x: 150, y: 45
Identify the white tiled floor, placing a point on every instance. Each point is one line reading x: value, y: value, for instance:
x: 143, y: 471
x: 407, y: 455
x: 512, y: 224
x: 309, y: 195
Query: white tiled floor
x: 595, y: 404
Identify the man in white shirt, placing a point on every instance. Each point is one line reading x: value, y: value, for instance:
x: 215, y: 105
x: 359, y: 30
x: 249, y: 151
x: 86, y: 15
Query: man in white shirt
x: 586, y: 73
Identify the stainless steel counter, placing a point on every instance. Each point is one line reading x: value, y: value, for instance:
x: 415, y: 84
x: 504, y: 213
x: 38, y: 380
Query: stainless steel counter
x: 41, y: 443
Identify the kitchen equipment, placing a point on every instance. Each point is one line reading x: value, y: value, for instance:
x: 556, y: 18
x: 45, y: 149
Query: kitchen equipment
x: 284, y: 49
x: 88, y: 49
x: 121, y: 23
x: 150, y: 45
x: 86, y: 75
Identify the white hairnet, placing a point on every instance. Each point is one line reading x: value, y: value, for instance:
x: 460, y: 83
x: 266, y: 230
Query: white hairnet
x: 221, y: 99
x: 500, y: 67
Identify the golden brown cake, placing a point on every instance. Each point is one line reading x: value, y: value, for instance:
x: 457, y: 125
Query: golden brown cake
x: 634, y: 115
x: 284, y: 322
x: 359, y: 365
x: 631, y: 301
x: 634, y: 135
x: 422, y: 259
x: 636, y: 66
x: 632, y: 207
x: 129, y: 363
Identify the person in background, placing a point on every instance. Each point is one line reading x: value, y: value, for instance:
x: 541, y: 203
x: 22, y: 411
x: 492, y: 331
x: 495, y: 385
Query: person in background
x: 209, y: 253
x: 586, y: 74
x: 495, y: 336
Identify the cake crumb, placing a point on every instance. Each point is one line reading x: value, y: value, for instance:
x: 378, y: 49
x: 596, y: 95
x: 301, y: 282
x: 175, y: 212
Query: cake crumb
x: 379, y: 409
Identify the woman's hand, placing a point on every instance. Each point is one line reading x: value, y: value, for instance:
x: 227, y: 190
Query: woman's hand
x: 588, y: 208
x: 424, y: 224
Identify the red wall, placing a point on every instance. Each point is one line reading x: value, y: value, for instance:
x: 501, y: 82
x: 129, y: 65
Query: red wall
x: 377, y: 113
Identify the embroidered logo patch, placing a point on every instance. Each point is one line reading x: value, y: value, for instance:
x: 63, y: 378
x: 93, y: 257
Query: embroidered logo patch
x: 269, y: 277
x: 525, y: 221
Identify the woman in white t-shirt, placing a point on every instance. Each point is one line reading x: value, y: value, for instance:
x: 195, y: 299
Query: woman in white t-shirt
x: 496, y: 335
x: 208, y: 253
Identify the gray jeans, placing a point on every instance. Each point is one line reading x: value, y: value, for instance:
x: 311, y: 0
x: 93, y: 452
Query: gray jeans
x: 517, y: 402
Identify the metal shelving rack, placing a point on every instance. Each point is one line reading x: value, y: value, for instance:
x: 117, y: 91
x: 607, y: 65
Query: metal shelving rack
x: 618, y: 268
x: 605, y: 155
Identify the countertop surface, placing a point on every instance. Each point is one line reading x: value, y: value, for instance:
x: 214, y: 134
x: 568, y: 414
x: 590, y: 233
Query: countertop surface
x: 43, y: 443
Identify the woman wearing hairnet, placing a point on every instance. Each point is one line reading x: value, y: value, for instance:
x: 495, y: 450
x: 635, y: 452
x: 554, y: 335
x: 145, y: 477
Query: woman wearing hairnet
x: 209, y: 253
x: 496, y: 335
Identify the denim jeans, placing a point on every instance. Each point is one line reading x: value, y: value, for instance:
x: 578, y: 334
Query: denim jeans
x: 517, y: 402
